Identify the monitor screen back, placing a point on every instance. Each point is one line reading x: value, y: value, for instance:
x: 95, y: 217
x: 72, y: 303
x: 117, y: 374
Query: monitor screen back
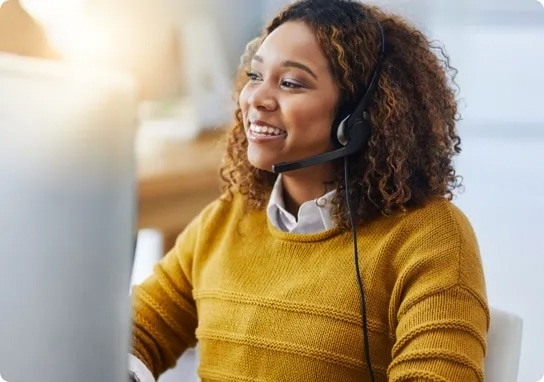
x: 67, y: 221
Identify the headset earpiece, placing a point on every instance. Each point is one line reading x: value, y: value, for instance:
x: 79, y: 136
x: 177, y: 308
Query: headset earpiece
x: 342, y: 134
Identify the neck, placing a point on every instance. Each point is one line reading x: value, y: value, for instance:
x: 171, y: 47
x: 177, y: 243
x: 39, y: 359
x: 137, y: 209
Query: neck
x: 306, y: 184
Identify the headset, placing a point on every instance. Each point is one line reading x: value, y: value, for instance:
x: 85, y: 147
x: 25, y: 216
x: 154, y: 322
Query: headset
x: 349, y: 135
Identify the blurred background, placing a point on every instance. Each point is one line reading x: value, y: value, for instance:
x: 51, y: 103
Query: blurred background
x: 183, y: 54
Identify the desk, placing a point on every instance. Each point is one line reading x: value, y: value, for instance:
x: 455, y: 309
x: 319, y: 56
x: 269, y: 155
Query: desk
x: 176, y: 179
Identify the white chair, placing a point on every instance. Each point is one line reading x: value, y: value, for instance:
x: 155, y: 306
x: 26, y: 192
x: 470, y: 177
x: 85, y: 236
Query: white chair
x: 503, y: 346
x: 149, y: 250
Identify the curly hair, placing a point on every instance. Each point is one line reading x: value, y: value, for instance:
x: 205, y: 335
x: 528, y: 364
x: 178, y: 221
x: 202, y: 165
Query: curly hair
x: 408, y: 158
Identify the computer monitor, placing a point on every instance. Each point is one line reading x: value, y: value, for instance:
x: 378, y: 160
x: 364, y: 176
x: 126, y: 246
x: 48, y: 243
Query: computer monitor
x: 67, y: 221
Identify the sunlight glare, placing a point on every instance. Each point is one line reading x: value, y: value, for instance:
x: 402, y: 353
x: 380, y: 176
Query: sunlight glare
x: 70, y: 30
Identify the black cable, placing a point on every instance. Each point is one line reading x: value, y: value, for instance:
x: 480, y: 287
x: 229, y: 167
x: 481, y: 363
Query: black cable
x: 366, y: 349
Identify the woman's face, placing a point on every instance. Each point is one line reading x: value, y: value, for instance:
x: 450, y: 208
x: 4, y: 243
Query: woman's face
x: 289, y: 102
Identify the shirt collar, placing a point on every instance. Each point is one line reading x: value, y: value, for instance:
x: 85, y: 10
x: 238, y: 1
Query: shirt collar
x: 313, y: 216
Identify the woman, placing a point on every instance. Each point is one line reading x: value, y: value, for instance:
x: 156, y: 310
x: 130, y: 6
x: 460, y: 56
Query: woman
x: 263, y: 279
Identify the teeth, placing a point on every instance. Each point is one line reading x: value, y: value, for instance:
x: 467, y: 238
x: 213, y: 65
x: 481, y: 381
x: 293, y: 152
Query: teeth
x: 268, y: 130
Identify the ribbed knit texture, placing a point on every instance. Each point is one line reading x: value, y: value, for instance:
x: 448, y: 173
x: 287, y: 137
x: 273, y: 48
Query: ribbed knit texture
x: 266, y: 305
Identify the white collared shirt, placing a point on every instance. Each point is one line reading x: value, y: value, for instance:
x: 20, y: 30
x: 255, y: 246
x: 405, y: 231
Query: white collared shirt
x: 313, y: 216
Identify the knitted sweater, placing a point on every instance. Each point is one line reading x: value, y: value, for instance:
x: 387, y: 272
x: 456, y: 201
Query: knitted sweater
x: 266, y: 305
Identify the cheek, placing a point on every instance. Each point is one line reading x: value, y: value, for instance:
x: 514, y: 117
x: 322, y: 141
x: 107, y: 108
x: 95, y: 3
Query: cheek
x: 242, y: 99
x: 315, y: 116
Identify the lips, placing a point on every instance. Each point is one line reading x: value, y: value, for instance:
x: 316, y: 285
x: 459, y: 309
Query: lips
x: 261, y: 131
x: 265, y: 130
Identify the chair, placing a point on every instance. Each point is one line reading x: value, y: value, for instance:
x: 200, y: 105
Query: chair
x: 503, y: 346
x: 149, y: 250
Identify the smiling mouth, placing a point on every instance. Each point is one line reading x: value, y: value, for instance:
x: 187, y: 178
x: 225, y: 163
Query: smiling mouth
x: 266, y: 131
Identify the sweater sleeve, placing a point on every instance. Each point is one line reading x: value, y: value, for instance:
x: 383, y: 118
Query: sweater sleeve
x: 164, y: 313
x: 439, y: 310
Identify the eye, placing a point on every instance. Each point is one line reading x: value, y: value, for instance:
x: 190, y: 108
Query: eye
x: 252, y: 76
x: 291, y: 85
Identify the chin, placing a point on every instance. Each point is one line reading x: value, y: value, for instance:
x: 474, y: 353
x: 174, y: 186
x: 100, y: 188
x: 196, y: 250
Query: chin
x: 261, y: 163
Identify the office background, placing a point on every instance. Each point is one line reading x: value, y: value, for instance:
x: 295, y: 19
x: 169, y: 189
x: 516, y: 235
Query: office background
x: 497, y: 46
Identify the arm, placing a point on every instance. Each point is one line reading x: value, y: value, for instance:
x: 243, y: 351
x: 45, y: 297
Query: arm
x: 164, y: 313
x: 439, y: 308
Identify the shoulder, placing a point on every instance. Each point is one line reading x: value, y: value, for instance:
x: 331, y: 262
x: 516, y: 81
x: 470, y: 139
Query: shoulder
x: 438, y: 239
x: 438, y: 219
x: 222, y: 211
x: 216, y: 217
x: 437, y: 210
x: 436, y: 252
x: 225, y: 206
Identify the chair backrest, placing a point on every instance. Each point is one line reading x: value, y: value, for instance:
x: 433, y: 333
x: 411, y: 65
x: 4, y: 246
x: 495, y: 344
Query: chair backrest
x: 149, y: 250
x: 503, y: 346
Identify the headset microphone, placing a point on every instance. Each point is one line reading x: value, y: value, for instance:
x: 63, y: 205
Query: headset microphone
x: 355, y: 137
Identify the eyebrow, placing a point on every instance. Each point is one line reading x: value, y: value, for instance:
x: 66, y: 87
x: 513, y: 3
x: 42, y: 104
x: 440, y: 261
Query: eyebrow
x: 290, y: 63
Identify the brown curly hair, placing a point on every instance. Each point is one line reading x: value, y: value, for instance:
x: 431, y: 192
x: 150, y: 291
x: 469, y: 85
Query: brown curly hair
x: 408, y: 158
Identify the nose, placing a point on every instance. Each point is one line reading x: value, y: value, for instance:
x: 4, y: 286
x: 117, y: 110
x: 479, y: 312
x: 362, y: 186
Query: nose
x: 262, y: 97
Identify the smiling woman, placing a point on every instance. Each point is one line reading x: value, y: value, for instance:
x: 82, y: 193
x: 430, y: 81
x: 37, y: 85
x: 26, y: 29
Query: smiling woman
x: 264, y: 278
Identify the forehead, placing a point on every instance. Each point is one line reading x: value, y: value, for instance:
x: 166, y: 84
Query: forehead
x: 296, y: 41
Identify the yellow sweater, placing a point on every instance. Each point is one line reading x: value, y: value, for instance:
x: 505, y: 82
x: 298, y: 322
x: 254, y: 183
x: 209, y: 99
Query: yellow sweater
x: 266, y: 305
